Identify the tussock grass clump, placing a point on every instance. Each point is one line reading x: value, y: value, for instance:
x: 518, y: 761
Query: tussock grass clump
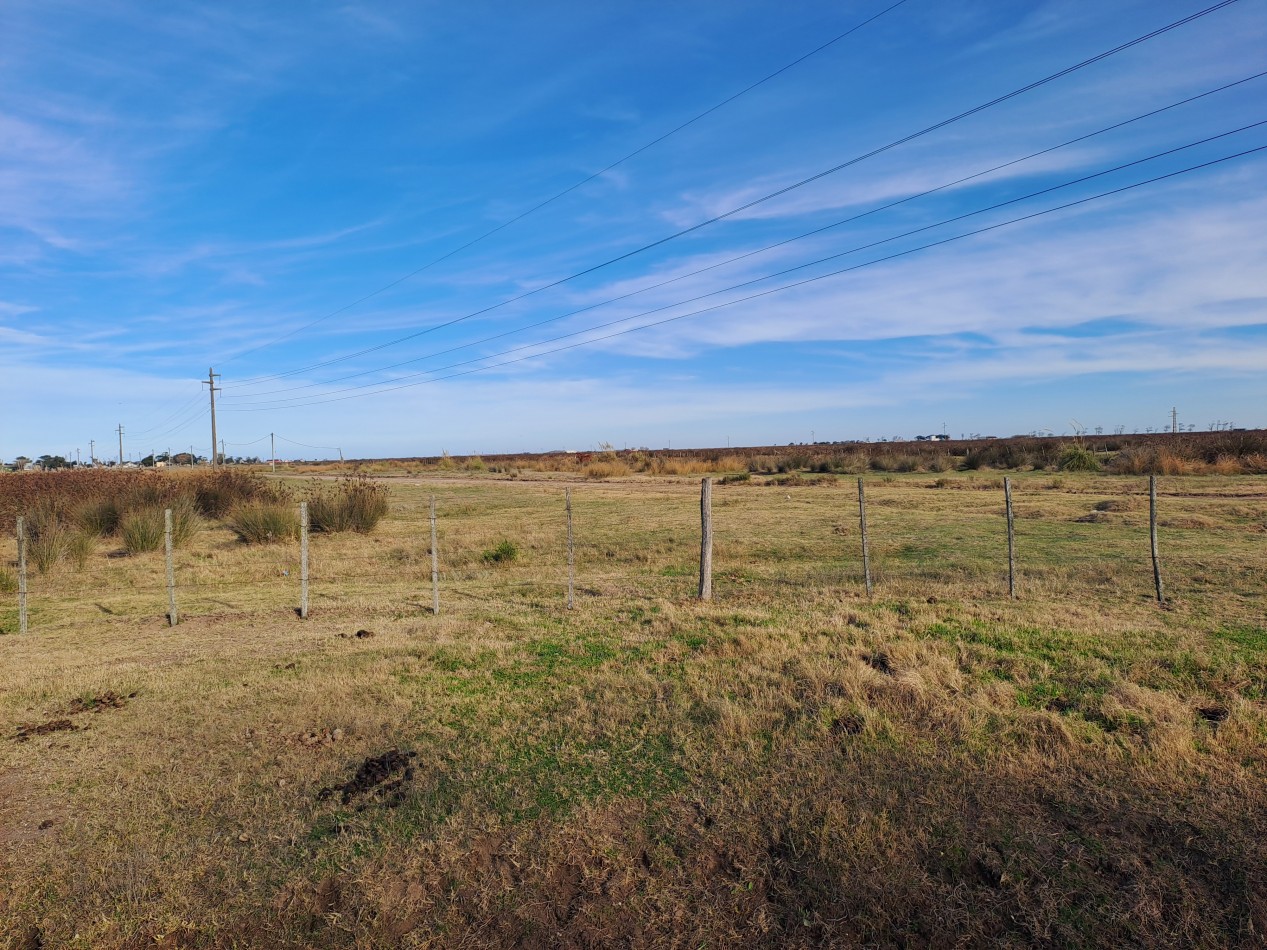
x: 503, y: 552
x: 607, y: 469
x: 1077, y: 458
x: 216, y: 492
x: 144, y: 529
x: 352, y: 504
x: 264, y: 522
x: 736, y: 478
x: 99, y: 517
x: 80, y: 546
x: 8, y: 581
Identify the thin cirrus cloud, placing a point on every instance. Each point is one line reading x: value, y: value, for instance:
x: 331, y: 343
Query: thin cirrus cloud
x: 202, y: 185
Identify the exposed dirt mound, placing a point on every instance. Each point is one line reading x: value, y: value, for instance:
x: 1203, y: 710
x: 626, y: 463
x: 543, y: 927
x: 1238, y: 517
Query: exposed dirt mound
x: 26, y: 730
x: 99, y: 702
x: 380, y: 778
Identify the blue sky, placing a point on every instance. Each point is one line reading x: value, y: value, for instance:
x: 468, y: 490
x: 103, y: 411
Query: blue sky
x: 246, y: 185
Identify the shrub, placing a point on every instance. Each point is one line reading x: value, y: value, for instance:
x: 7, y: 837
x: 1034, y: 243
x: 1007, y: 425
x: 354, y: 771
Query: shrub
x: 218, y: 491
x: 352, y: 504
x: 142, y: 529
x: 264, y: 522
x: 606, y: 469
x: 1077, y: 458
x: 501, y: 553
x: 99, y: 517
x: 80, y: 546
x: 736, y: 478
x: 48, y: 536
x: 145, y: 529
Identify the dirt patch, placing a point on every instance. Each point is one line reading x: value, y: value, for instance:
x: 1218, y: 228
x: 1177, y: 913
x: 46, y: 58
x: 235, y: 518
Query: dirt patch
x: 359, y: 635
x: 379, y: 778
x: 26, y: 730
x: 1213, y: 714
x: 317, y: 737
x: 1129, y: 503
x: 99, y: 702
x: 879, y: 661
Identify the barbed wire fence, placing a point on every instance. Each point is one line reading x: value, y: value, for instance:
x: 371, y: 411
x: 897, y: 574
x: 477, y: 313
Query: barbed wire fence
x: 668, y: 541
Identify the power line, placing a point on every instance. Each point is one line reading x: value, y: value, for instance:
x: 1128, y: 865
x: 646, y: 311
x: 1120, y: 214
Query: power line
x: 757, y: 201
x: 765, y: 293
x: 767, y: 247
x: 823, y: 260
x: 571, y: 188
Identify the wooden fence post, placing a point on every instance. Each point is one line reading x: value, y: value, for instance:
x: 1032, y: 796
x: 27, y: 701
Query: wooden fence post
x: 706, y: 539
x: 435, y: 562
x: 866, y: 549
x: 567, y: 496
x: 22, y: 623
x: 303, y: 560
x: 1152, y: 535
x: 1011, y: 539
x: 171, y: 567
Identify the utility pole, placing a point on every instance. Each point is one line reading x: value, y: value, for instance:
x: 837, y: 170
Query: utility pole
x: 1174, y: 420
x: 272, y: 459
x: 92, y: 451
x: 223, y: 455
x: 212, y: 376
x: 120, y: 443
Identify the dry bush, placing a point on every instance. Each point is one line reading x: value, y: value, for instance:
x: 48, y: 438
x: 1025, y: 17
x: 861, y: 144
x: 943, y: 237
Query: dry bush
x: 217, y: 491
x: 610, y: 469
x: 352, y: 504
x: 99, y: 516
x: 264, y: 522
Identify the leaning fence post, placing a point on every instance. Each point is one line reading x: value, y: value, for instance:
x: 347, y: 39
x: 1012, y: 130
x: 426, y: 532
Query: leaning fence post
x: 866, y: 549
x: 706, y: 539
x: 567, y: 496
x: 435, y: 562
x: 1011, y: 539
x: 303, y: 560
x: 1152, y: 535
x: 171, y: 567
x: 21, y: 576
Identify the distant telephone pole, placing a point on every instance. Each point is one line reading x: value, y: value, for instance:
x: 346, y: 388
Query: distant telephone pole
x: 92, y: 451
x: 1174, y: 420
x: 272, y: 459
x: 120, y: 443
x: 212, y: 376
x: 223, y: 454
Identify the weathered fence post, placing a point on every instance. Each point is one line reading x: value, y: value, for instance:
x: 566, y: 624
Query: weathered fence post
x: 435, y: 562
x: 303, y: 560
x: 567, y: 496
x: 1011, y: 539
x: 171, y: 567
x: 706, y: 539
x: 21, y: 576
x: 1152, y: 536
x: 866, y: 549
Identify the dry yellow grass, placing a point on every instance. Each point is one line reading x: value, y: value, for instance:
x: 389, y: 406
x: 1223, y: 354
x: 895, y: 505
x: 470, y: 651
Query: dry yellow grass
x: 791, y: 764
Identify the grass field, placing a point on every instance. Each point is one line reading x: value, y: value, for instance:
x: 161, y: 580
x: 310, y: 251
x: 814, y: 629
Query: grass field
x: 791, y: 764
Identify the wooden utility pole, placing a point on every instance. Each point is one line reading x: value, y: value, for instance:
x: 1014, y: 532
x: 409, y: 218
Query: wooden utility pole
x: 120, y: 443
x: 706, y: 539
x: 92, y: 451
x: 272, y: 459
x: 212, y: 376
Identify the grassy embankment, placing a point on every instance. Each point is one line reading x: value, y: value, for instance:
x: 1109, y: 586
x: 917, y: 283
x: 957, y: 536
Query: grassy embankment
x: 789, y: 765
